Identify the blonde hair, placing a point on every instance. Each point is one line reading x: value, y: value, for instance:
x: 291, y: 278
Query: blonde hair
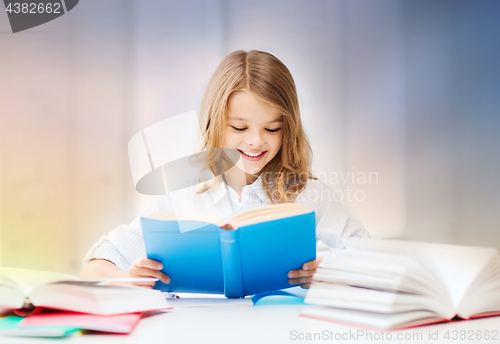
x: 267, y: 78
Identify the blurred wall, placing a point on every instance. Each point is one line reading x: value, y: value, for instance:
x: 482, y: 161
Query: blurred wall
x: 404, y: 93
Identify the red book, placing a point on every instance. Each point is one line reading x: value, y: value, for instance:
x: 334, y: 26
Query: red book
x: 120, y: 323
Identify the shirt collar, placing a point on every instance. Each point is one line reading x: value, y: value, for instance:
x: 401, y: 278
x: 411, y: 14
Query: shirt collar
x: 221, y: 190
x: 258, y: 188
x: 218, y: 192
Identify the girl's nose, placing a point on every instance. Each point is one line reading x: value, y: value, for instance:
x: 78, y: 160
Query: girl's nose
x: 255, y: 139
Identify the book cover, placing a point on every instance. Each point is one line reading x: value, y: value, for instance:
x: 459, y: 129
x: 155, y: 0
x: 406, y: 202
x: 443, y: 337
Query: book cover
x: 237, y: 262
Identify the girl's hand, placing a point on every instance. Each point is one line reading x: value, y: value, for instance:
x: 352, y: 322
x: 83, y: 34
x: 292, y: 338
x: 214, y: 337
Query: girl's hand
x: 304, y: 276
x: 144, y: 267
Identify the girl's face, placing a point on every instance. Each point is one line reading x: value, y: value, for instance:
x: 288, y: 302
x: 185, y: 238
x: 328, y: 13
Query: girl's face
x: 254, y: 128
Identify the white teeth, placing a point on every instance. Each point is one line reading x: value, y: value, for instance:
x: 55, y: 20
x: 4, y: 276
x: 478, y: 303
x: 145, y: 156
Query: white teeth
x: 252, y: 154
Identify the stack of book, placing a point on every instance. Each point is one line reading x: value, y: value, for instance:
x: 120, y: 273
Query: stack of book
x: 46, y: 304
x: 389, y: 284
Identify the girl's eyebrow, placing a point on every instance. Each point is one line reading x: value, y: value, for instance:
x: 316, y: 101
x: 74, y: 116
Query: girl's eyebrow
x: 236, y: 119
x: 243, y: 119
x: 276, y: 120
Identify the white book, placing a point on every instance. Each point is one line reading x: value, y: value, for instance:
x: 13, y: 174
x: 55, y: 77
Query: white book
x: 393, y: 284
x: 25, y: 288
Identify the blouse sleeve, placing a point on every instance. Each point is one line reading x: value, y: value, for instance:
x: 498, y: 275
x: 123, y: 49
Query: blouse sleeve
x: 125, y: 243
x: 333, y: 222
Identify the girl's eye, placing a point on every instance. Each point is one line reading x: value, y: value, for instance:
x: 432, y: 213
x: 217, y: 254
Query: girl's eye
x: 273, y: 130
x: 238, y: 129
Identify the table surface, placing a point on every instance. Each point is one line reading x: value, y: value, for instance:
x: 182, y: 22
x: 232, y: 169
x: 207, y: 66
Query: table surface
x: 272, y: 324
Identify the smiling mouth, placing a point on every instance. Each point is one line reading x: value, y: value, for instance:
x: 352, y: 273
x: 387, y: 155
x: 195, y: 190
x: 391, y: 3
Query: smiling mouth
x: 250, y: 154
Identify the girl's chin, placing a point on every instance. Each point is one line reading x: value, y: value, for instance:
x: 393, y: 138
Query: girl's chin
x: 248, y: 170
x: 253, y: 170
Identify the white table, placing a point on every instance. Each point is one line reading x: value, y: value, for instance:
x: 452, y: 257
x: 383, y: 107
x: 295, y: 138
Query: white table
x: 263, y: 324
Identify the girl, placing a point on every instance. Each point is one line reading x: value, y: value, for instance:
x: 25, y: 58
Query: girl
x: 250, y: 105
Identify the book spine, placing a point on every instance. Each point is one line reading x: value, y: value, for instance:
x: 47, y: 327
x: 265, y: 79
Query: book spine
x: 231, y: 263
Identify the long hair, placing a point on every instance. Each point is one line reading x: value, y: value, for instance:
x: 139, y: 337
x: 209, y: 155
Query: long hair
x: 268, y: 79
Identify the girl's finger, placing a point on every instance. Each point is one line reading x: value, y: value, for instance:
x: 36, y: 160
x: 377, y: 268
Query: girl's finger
x: 312, y: 264
x: 148, y: 263
x: 301, y: 273
x: 155, y: 274
x: 142, y: 285
x: 302, y: 280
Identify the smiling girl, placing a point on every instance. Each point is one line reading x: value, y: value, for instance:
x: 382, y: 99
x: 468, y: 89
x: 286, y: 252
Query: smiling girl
x: 250, y: 105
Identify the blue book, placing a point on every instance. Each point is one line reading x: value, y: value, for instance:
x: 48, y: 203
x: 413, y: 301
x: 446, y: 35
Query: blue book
x: 249, y: 254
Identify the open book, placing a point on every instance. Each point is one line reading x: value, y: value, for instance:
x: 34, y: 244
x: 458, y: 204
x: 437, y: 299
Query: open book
x: 252, y: 254
x: 26, y: 288
x: 395, y: 284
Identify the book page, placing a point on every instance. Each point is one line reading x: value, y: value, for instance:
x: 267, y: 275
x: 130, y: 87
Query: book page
x: 456, y: 267
x: 372, y: 319
x: 459, y: 266
x: 251, y: 216
x: 10, y: 297
x: 97, y: 299
x: 26, y: 280
x: 268, y: 213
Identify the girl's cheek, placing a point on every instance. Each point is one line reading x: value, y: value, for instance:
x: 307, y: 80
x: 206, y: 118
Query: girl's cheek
x: 280, y: 141
x: 228, y: 139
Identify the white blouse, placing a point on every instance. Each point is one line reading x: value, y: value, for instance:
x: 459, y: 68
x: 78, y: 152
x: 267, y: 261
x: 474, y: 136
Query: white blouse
x: 125, y: 243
